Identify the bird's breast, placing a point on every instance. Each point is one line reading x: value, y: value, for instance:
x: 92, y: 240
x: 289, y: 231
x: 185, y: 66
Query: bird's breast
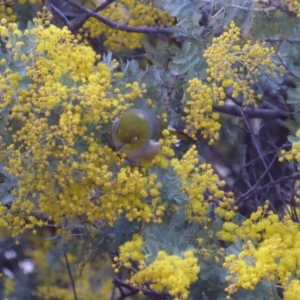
x: 146, y: 152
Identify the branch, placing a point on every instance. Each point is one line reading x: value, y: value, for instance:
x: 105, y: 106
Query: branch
x: 147, y: 292
x: 285, y: 66
x: 276, y: 40
x: 122, y: 27
x: 261, y: 113
x: 254, y: 188
x: 104, y: 5
x: 52, y: 8
x: 247, y: 195
x: 86, y: 17
x: 8, y: 2
x: 71, y: 277
x: 61, y: 16
x: 256, y: 144
x: 48, y: 5
x: 270, y: 8
x: 263, y: 9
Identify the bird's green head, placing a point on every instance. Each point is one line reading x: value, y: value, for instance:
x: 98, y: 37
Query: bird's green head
x: 133, y: 130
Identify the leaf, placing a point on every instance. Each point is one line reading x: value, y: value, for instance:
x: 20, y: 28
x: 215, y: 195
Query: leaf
x: 158, y: 55
x: 108, y: 60
x: 293, y: 95
x: 180, y: 8
x: 235, y: 248
x: 292, y: 125
x: 8, y: 182
x: 185, y: 59
x: 7, y: 199
x: 293, y: 139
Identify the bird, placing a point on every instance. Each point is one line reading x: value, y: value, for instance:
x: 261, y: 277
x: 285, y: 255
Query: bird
x: 137, y: 133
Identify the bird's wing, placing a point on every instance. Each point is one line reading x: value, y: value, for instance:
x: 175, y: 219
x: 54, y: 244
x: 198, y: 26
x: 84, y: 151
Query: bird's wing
x: 113, y: 132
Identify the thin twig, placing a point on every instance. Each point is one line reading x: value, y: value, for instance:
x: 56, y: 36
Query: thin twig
x: 273, y: 6
x: 8, y: 2
x: 70, y: 276
x: 276, y: 40
x: 245, y: 195
x: 48, y: 5
x: 263, y: 140
x: 121, y: 27
x: 61, y: 16
x: 270, y: 184
x: 102, y: 6
x: 148, y: 292
x: 113, y: 293
x: 252, y: 113
x: 257, y: 146
x: 284, y: 65
x: 256, y: 9
x: 293, y: 207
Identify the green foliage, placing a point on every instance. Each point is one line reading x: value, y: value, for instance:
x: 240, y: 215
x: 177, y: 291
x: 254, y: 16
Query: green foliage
x: 184, y: 59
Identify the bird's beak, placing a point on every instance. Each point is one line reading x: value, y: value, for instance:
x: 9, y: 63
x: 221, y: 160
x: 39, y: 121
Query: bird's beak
x: 120, y: 146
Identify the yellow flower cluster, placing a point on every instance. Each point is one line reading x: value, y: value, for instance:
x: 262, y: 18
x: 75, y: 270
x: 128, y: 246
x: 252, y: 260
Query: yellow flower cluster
x: 292, y: 289
x: 273, y: 254
x: 56, y: 139
x: 7, y: 12
x: 232, y: 63
x: 170, y: 272
x: 294, y: 6
x: 130, y: 251
x: 30, y: 1
x: 9, y: 80
x: 197, y: 181
x: 294, y: 153
x: 167, y: 152
x: 79, y: 59
x: 199, y: 109
x: 133, y: 13
x: 7, y: 8
x: 261, y: 224
x: 225, y: 208
x: 254, y: 264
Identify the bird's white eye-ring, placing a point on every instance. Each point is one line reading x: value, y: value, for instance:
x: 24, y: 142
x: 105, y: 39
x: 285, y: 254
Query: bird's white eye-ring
x: 134, y: 139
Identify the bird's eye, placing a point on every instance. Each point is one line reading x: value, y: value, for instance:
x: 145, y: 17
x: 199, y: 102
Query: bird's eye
x: 134, y: 139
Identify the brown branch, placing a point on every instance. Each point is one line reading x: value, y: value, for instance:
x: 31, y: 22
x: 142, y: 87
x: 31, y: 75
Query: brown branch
x: 104, y: 5
x: 81, y: 22
x: 147, y: 292
x: 256, y: 9
x: 276, y: 40
x: 284, y: 65
x: 261, y: 113
x: 121, y: 27
x: 113, y: 293
x: 256, y: 144
x: 70, y: 276
x: 48, y: 5
x: 254, y: 188
x: 8, y: 2
x: 61, y: 16
x: 270, y: 7
x: 266, y: 186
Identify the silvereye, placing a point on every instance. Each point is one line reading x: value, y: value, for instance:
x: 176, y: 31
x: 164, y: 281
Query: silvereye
x: 136, y: 133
